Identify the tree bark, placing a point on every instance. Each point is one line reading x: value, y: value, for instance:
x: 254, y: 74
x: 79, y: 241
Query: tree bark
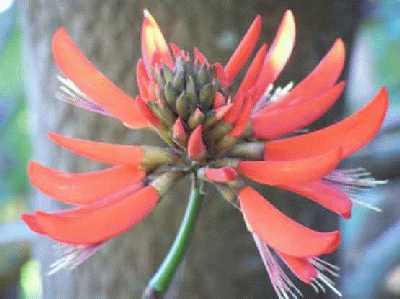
x: 222, y: 261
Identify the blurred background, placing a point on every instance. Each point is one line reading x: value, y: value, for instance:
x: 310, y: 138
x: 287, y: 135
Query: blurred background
x: 222, y: 262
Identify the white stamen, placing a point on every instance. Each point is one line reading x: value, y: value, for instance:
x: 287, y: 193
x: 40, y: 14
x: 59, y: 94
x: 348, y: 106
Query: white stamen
x: 354, y: 182
x: 328, y: 282
x: 283, y: 286
x: 322, y: 279
x: 72, y: 256
x: 70, y: 93
x: 270, y: 95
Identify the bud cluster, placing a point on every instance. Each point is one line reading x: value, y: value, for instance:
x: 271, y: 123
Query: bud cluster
x: 188, y: 97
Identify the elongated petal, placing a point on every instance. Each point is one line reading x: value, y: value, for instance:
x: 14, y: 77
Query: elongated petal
x: 244, y: 49
x: 101, y: 151
x: 351, y: 134
x: 278, y: 53
x: 300, y: 267
x: 199, y: 57
x: 274, y: 123
x: 324, y: 76
x: 82, y: 188
x: 143, y: 81
x: 243, y: 119
x: 290, y: 172
x: 144, y: 157
x: 95, y: 223
x: 154, y: 47
x: 325, y: 194
x: 232, y: 115
x: 252, y: 72
x: 150, y: 117
x: 219, y: 100
x: 74, y: 65
x: 282, y: 233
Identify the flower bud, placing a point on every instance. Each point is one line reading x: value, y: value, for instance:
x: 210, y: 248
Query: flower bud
x: 183, y: 106
x: 196, y: 118
x: 206, y: 96
x: 170, y: 94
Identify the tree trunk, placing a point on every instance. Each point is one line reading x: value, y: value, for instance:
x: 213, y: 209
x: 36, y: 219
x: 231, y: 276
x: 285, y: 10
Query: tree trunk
x: 222, y: 261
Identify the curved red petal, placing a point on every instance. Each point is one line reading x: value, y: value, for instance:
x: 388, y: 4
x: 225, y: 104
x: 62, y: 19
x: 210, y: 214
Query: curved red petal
x: 143, y: 81
x: 243, y: 50
x: 82, y: 188
x: 150, y: 117
x: 252, y: 72
x: 325, y: 194
x: 91, y: 224
x: 300, y: 267
x: 350, y: 134
x: 219, y: 100
x: 199, y: 57
x: 99, y: 151
x: 154, y: 47
x: 291, y: 172
x: 30, y: 220
x: 243, y: 119
x: 75, y: 65
x: 282, y: 233
x: 278, y: 53
x: 232, y: 115
x: 269, y: 124
x: 324, y: 75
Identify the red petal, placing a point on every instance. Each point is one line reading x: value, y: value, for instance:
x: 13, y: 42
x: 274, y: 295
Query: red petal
x: 196, y: 148
x: 99, y: 151
x: 282, y: 233
x: 269, y: 124
x: 325, y: 194
x: 324, y: 75
x: 300, y: 267
x: 290, y: 172
x: 30, y: 220
x: 154, y: 47
x: 222, y: 111
x: 232, y: 115
x: 178, y: 52
x: 252, y: 72
x: 95, y: 223
x: 221, y: 175
x: 278, y: 53
x: 244, y: 50
x: 75, y: 65
x: 147, y: 113
x: 199, y: 57
x: 243, y: 120
x: 220, y: 74
x: 143, y: 81
x: 350, y: 134
x: 219, y: 100
x: 82, y: 188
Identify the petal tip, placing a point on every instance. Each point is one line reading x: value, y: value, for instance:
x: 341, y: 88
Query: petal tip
x: 31, y: 222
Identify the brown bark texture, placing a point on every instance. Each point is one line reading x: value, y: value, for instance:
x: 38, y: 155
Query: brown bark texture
x: 222, y: 261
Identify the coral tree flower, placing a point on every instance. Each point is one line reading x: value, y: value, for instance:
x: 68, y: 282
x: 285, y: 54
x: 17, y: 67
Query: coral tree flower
x: 221, y: 129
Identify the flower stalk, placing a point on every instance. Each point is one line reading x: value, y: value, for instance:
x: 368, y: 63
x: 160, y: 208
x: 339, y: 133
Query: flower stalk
x: 161, y: 280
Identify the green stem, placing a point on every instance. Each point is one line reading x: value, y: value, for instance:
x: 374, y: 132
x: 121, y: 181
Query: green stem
x: 161, y: 280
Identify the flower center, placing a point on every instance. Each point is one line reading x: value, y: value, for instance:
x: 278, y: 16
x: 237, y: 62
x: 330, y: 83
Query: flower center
x: 189, y: 102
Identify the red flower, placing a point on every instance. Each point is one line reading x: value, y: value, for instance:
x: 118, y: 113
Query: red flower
x: 219, y: 135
